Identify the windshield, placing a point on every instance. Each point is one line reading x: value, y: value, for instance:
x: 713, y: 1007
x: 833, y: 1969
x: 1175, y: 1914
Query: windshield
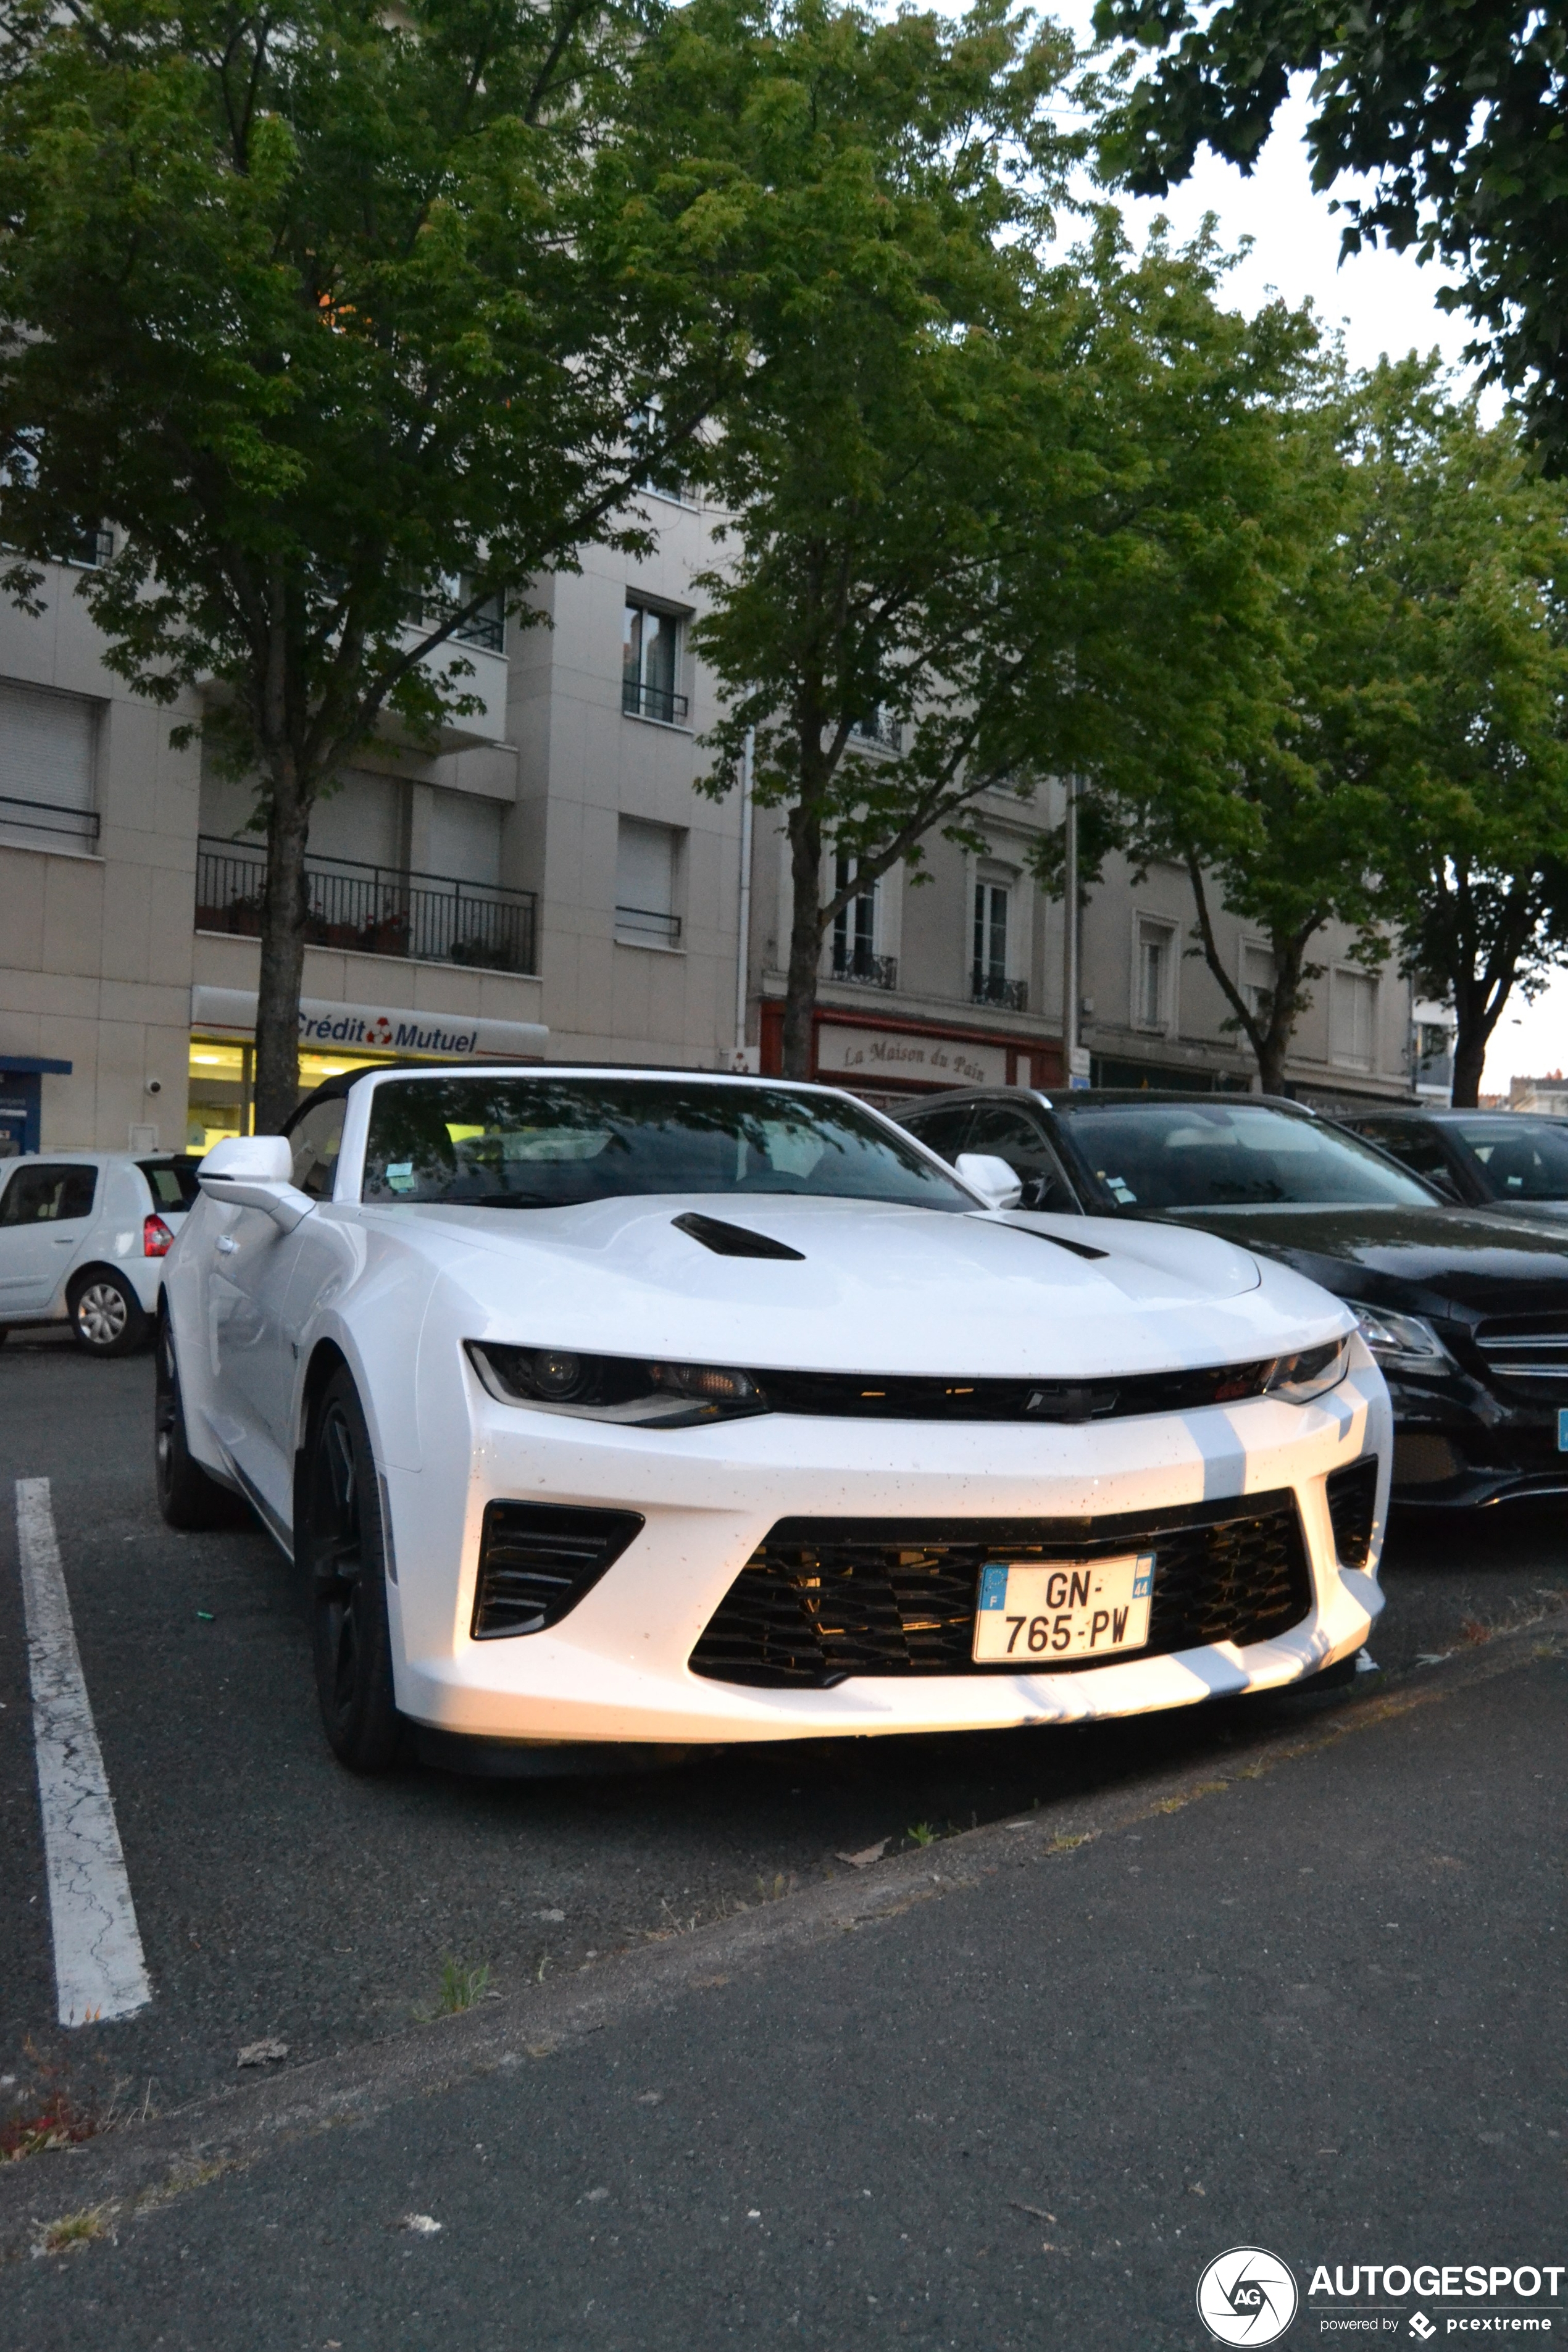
x: 1521, y: 1164
x: 552, y: 1143
x: 1149, y: 1157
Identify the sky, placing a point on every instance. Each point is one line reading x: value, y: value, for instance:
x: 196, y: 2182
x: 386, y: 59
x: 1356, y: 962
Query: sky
x: 1382, y: 301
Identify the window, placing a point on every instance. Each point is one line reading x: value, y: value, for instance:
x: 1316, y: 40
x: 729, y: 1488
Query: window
x: 49, y: 745
x: 525, y: 1143
x: 878, y: 727
x: 988, y: 981
x: 171, y: 1183
x: 646, y: 864
x: 1147, y: 1158
x: 1353, y: 1019
x: 1415, y: 1147
x: 1008, y: 1132
x: 1154, y: 973
x: 314, y: 1145
x: 855, y: 954
x: 1257, y: 981
x: 942, y: 1130
x: 651, y: 664
x: 645, y: 429
x: 44, y: 1194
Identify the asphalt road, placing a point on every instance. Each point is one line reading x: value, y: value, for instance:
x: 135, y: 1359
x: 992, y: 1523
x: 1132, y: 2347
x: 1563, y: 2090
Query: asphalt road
x: 278, y: 1897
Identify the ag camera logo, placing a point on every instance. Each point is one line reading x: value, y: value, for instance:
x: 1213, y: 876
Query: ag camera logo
x: 1246, y: 2296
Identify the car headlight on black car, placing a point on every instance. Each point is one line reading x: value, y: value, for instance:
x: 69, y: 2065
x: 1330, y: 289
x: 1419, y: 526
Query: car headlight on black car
x: 623, y: 1388
x: 1407, y: 1342
x: 1311, y: 1373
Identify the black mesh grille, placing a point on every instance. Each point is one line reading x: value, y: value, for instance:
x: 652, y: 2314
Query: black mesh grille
x: 824, y: 1598
x: 1353, y: 1503
x: 538, y: 1560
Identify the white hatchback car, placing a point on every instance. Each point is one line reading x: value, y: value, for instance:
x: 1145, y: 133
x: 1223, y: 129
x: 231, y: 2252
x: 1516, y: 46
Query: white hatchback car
x: 626, y: 1407
x: 83, y: 1236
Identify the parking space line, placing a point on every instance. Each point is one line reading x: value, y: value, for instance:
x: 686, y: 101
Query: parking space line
x: 100, y: 1970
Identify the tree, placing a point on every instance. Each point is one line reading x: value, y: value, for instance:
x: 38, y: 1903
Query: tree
x: 1458, y: 110
x: 888, y: 411
x: 340, y: 314
x: 1465, y: 548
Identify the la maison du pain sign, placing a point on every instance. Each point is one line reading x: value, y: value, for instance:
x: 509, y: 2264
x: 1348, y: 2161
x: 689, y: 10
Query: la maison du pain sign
x: 945, y: 1061
x: 375, y: 1028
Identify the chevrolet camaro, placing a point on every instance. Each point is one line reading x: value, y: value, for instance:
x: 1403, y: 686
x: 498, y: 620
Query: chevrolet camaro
x: 661, y: 1410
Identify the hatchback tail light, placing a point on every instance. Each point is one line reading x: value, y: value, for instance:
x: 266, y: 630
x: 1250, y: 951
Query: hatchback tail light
x: 157, y: 1241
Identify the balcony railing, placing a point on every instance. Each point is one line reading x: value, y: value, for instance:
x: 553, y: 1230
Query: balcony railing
x: 867, y: 971
x: 51, y: 820
x: 990, y: 988
x: 647, y: 927
x: 374, y: 909
x: 881, y: 729
x: 640, y: 699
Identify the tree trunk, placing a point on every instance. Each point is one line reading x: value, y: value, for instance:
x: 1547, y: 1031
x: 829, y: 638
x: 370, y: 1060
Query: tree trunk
x: 283, y: 910
x: 805, y: 939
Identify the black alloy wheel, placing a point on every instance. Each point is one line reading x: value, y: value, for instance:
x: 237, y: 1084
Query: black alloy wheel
x: 107, y: 1318
x: 345, y: 1555
x: 188, y: 1497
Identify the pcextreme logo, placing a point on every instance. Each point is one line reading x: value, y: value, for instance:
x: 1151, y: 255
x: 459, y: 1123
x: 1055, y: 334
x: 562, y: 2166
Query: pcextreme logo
x: 1246, y: 2296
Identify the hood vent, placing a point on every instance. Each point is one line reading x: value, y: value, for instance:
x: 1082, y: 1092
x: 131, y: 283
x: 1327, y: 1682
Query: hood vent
x: 732, y: 1240
x: 1033, y: 1233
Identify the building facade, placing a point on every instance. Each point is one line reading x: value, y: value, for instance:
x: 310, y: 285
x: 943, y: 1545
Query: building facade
x: 548, y: 882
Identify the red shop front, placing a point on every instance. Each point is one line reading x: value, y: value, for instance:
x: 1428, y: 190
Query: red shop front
x: 876, y: 1057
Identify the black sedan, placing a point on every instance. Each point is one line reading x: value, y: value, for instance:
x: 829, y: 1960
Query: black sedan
x: 1497, y: 1160
x: 1466, y: 1309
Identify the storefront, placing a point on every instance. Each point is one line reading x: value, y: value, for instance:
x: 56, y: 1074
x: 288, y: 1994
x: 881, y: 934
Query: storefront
x: 886, y: 1059
x: 22, y: 1079
x: 332, y: 1038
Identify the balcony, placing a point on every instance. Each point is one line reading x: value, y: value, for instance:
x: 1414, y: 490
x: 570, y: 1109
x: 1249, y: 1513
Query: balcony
x: 881, y: 729
x: 640, y: 699
x: 46, y: 824
x: 643, y: 927
x: 374, y: 909
x: 991, y: 988
x: 864, y: 970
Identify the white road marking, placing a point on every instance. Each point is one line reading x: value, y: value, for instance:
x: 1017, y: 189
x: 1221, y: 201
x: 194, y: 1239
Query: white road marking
x: 100, y: 1970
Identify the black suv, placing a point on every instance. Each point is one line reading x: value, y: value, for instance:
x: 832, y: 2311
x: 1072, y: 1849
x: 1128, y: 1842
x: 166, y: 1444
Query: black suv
x: 1466, y: 1309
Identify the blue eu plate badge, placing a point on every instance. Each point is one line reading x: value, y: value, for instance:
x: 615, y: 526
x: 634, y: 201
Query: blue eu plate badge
x: 1563, y: 1429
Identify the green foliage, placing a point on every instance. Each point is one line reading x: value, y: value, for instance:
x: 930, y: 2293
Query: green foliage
x: 337, y: 313
x: 1456, y: 110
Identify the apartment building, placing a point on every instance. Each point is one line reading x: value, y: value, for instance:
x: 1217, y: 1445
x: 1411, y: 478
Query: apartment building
x: 546, y: 883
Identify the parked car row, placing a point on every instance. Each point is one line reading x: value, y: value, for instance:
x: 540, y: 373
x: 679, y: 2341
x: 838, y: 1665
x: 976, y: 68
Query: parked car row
x: 83, y: 1237
x: 1465, y: 1308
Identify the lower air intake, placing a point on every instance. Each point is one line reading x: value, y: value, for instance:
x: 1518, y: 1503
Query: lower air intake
x: 1353, y: 1507
x: 538, y: 1560
x: 823, y: 1599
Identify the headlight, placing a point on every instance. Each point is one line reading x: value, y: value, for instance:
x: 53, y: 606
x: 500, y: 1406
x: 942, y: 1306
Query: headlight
x: 1309, y: 1374
x: 615, y: 1388
x: 1406, y: 1340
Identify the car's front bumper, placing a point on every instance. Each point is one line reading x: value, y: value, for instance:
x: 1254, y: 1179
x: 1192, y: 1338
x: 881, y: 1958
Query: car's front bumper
x: 616, y: 1667
x: 1461, y: 1444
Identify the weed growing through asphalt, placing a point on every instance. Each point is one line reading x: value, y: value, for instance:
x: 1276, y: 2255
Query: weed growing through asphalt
x: 921, y: 1834
x: 73, y: 2229
x: 460, y: 1987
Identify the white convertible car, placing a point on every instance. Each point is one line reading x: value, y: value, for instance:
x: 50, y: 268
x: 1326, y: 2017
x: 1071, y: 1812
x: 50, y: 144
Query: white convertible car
x: 657, y: 1409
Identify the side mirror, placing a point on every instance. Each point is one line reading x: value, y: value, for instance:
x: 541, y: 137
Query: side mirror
x: 991, y: 1178
x: 256, y: 1172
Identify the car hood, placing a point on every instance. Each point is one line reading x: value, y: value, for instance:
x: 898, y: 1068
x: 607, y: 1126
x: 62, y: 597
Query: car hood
x: 1461, y: 1264
x: 876, y: 1288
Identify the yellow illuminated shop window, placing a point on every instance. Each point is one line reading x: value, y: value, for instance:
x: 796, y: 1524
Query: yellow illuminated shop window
x: 223, y: 1086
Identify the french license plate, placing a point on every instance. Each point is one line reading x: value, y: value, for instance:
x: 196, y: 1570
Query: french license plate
x: 1040, y: 1612
x: 1563, y: 1429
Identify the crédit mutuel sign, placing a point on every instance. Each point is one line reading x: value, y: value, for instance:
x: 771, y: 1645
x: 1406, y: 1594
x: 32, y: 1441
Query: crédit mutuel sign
x: 376, y: 1028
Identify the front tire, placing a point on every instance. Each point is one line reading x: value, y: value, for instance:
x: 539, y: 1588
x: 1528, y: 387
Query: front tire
x: 107, y: 1319
x: 343, y: 1553
x: 187, y: 1496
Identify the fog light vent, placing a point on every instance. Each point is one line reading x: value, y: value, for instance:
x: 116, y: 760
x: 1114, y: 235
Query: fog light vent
x: 1353, y: 1507
x: 538, y: 1560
